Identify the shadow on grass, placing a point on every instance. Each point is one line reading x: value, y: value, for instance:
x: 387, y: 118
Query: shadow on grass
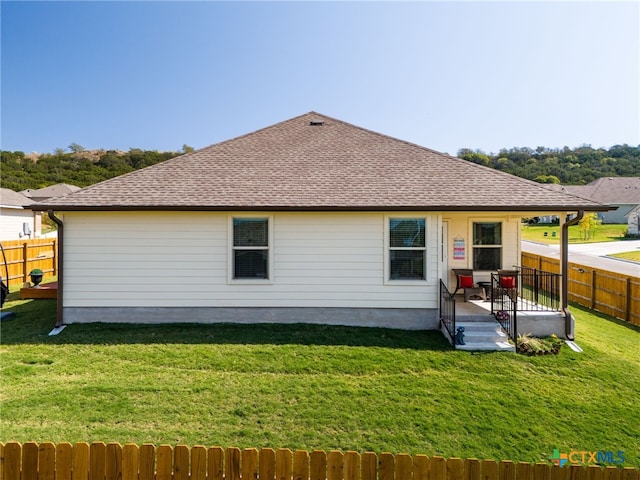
x: 34, y: 320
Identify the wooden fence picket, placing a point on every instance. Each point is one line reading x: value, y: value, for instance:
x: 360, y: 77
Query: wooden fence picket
x: 369, y: 466
x: 113, y: 457
x: 318, y: 465
x: 147, y: 465
x: 12, y: 461
x: 455, y: 469
x: 232, y: 463
x: 489, y: 470
x: 611, y: 473
x: 164, y: 462
x: 438, y: 468
x: 29, y: 461
x: 577, y: 472
x: 80, y: 461
x: 524, y: 471
x: 421, y: 464
x: 471, y: 469
x: 181, y: 462
x: 215, y: 463
x: 130, y: 462
x: 594, y: 472
x: 198, y: 463
x: 629, y: 473
x: 386, y: 466
x: 46, y: 461
x: 249, y: 464
x: 352, y: 465
x: 404, y: 467
x: 541, y: 471
x: 267, y: 464
x: 507, y: 470
x: 97, y: 460
x: 64, y: 461
x: 334, y: 465
x: 300, y: 465
x: 283, y: 464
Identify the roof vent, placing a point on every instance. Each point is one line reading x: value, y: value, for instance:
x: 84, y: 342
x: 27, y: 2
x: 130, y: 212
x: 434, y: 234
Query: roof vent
x: 315, y: 124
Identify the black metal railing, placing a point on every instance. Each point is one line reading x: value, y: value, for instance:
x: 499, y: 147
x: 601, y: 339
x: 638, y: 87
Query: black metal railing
x: 539, y: 290
x: 534, y: 290
x: 448, y: 311
x: 504, y: 307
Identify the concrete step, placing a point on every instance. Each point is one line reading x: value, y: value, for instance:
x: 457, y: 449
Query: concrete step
x: 484, y: 336
x: 487, y: 347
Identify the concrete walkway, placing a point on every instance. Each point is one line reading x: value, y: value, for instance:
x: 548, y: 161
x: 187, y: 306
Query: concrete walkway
x: 592, y: 255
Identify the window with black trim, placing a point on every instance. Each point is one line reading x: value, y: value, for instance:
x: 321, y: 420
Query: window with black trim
x: 487, y: 245
x: 250, y: 248
x: 407, y: 249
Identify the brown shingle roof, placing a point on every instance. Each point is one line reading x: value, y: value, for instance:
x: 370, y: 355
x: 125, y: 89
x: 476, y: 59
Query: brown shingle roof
x: 609, y: 190
x: 329, y: 165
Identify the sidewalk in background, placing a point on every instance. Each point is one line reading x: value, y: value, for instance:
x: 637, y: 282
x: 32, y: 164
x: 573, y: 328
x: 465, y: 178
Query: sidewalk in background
x: 592, y: 255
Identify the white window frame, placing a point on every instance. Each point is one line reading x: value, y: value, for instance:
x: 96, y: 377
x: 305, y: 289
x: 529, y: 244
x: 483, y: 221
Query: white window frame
x: 474, y: 246
x: 231, y: 250
x: 387, y: 251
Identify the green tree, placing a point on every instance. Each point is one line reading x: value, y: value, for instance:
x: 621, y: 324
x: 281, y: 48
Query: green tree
x: 76, y: 148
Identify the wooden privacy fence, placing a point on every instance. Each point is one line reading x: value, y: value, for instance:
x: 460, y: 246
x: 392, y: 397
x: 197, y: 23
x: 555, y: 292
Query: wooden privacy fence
x: 100, y: 461
x: 608, y: 292
x: 25, y: 255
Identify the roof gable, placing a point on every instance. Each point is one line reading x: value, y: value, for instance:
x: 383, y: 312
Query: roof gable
x: 315, y: 162
x: 9, y: 198
x: 56, y: 190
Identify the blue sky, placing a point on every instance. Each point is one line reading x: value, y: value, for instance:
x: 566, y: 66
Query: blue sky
x: 445, y: 75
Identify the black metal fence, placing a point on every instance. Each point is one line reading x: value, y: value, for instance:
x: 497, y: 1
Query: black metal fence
x: 447, y: 311
x: 504, y: 307
x: 532, y: 289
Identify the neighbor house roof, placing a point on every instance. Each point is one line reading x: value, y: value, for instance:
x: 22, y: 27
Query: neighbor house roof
x: 609, y: 190
x: 11, y: 199
x: 315, y: 162
x: 51, y: 191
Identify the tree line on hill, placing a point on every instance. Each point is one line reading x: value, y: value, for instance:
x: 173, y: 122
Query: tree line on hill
x: 79, y: 167
x: 567, y: 166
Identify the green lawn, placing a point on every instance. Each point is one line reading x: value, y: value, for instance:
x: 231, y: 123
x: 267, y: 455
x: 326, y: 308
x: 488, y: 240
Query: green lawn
x: 633, y: 256
x: 316, y: 387
x: 601, y: 233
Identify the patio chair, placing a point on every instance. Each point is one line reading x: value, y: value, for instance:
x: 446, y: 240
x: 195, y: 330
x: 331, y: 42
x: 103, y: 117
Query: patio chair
x: 508, y: 284
x: 466, y: 283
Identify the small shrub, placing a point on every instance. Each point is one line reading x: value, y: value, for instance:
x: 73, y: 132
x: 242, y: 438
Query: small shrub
x: 529, y: 345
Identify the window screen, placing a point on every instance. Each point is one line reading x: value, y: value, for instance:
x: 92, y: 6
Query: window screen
x: 487, y: 245
x: 250, y: 248
x: 407, y: 248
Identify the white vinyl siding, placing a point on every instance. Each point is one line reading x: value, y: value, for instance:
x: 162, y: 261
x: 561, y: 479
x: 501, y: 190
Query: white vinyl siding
x: 12, y: 222
x: 181, y: 259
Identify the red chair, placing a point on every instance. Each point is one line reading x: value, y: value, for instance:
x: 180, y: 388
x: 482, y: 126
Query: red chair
x: 508, y: 284
x: 465, y: 282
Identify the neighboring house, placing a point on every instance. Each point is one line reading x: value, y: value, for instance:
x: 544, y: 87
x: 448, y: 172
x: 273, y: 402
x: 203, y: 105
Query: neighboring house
x: 52, y: 191
x: 17, y: 221
x: 310, y: 220
x: 633, y: 221
x: 620, y: 192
